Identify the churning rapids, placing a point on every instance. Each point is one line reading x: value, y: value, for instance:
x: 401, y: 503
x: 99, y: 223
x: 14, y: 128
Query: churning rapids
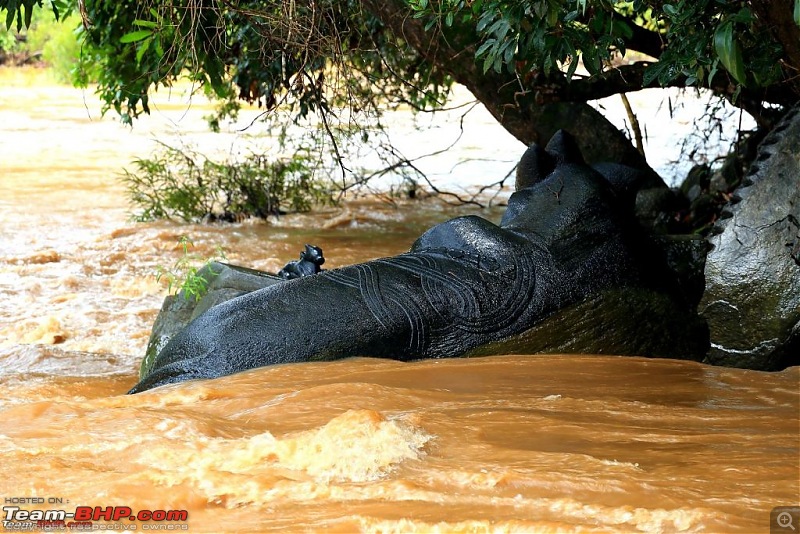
x: 500, y: 444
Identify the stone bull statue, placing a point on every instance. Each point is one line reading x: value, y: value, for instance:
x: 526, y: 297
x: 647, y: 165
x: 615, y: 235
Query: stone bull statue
x: 568, y: 234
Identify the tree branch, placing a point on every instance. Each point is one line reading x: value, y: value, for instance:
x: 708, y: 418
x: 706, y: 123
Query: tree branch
x: 630, y: 78
x: 643, y: 40
x: 453, y: 49
x: 777, y: 18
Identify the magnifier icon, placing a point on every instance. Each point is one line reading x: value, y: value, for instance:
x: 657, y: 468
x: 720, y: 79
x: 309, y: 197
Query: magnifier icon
x: 785, y: 520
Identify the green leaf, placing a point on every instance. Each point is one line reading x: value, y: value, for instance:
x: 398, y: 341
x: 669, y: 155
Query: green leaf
x: 573, y: 66
x: 712, y: 71
x: 142, y: 49
x: 28, y: 14
x: 621, y: 29
x: 138, y: 35
x: 499, y: 29
x: 598, y: 22
x: 729, y: 51
x: 508, y: 54
x: 797, y: 12
x: 485, y: 46
x: 744, y: 16
x: 12, y: 11
x: 498, y: 64
x: 484, y: 21
x: 736, y: 93
x: 487, y: 63
x: 552, y: 17
x: 145, y: 23
x: 59, y: 6
x: 652, y: 72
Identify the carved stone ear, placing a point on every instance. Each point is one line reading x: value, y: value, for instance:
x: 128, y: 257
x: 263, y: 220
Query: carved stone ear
x: 536, y: 163
x: 313, y: 254
x: 563, y: 148
x: 534, y: 166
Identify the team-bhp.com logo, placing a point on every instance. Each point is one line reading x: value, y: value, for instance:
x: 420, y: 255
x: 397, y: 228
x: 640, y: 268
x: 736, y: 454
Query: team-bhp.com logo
x: 114, y: 518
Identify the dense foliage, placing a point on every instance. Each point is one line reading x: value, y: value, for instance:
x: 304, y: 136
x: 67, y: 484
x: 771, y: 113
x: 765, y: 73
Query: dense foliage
x: 691, y: 39
x: 318, y: 55
x: 270, y: 53
x: 521, y: 58
x: 179, y: 184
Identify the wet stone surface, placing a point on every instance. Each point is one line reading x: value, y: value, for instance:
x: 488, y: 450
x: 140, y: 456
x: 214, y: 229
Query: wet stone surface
x: 752, y: 296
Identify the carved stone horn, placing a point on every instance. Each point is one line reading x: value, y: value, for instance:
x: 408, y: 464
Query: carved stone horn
x: 537, y: 163
x: 563, y: 147
x: 534, y: 165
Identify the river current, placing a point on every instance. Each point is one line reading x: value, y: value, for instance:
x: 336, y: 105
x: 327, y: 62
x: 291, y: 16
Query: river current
x: 547, y: 443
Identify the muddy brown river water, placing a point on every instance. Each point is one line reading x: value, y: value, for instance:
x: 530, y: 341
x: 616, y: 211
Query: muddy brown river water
x: 554, y: 443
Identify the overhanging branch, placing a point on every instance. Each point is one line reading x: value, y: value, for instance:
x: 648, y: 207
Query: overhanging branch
x: 630, y: 78
x: 453, y: 50
x: 641, y: 40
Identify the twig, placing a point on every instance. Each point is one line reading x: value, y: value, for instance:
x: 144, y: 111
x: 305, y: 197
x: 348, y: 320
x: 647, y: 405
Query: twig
x: 637, y: 132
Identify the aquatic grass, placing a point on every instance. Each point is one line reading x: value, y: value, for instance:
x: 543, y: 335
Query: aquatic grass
x: 185, y: 277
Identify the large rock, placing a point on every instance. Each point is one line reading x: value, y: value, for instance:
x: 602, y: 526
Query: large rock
x: 752, y: 296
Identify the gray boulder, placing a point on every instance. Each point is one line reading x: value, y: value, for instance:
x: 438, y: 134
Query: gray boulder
x: 752, y: 296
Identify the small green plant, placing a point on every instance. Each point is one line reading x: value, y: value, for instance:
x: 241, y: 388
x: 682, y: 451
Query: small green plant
x: 179, y: 183
x: 60, y: 46
x: 185, y: 277
x: 8, y: 41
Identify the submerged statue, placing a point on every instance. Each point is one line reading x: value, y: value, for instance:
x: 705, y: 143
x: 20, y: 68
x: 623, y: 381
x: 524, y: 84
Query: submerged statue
x: 567, y: 234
